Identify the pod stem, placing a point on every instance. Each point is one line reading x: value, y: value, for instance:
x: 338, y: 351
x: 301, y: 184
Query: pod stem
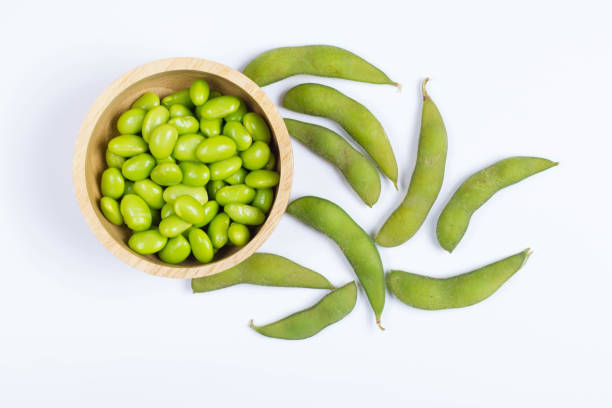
x: 251, y: 325
x: 379, y: 325
x: 423, y: 90
x: 398, y: 86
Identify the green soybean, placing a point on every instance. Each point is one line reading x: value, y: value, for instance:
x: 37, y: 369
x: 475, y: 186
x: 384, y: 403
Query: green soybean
x: 127, y: 145
x: 216, y: 149
x: 220, y: 170
x: 306, y: 323
x: 213, y: 186
x: 355, y: 243
x: 219, y: 107
x: 135, y: 212
x: 172, y: 226
x: 426, y: 179
x: 478, y: 189
x: 211, y: 127
x: 186, y: 146
x: 138, y: 167
x: 238, y: 234
x: 266, y: 270
x: 147, y: 242
x: 129, y: 187
x: 162, y: 140
x: 201, y: 246
x: 262, y: 179
x: 211, y: 209
x: 256, y: 157
x: 185, y: 124
x: 114, y: 160
x: 177, y: 249
x: 239, y: 193
x: 271, y: 164
x: 173, y: 192
x: 238, y: 114
x: 217, y: 230
x: 195, y: 174
x: 163, y: 160
x: 155, y: 117
x: 257, y: 127
x: 320, y: 60
x: 112, y: 183
x: 179, y: 111
x: 238, y: 177
x: 167, y: 210
x: 356, y: 119
x: 238, y: 134
x: 264, y: 197
x: 167, y: 174
x: 110, y: 209
x: 147, y: 101
x: 356, y: 168
x: 199, y: 92
x: 181, y: 97
x: 463, y: 290
x: 150, y: 192
x: 189, y: 209
x: 244, y: 214
x: 130, y: 121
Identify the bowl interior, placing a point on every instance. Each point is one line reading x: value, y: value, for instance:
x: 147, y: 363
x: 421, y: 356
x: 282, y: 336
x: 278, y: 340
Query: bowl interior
x: 105, y: 129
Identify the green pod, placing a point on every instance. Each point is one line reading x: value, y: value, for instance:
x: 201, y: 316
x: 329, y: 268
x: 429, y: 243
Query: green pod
x: 129, y: 187
x: 238, y: 234
x: 112, y: 183
x: 238, y: 134
x: 179, y: 111
x: 257, y: 127
x: 199, y: 92
x: 213, y: 186
x: 217, y: 230
x: 271, y: 164
x: 256, y: 157
x: 238, y: 114
x: 356, y: 168
x: 167, y: 210
x: 155, y: 117
x: 130, y: 121
x: 172, y: 226
x: 223, y: 169
x: 195, y: 174
x: 244, y: 214
x: 211, y: 209
x: 186, y: 146
x: 180, y: 97
x: 238, y: 177
x: 147, y: 242
x: 138, y: 167
x: 150, y: 192
x: 266, y: 270
x: 201, y: 246
x: 478, y: 189
x: 306, y: 323
x: 463, y: 290
x: 426, y: 180
x: 189, y: 209
x: 320, y: 60
x: 114, y: 160
x: 177, y: 249
x: 239, y: 193
x: 173, y: 192
x: 147, y: 101
x: 127, y: 145
x: 216, y: 149
x: 356, y: 119
x: 135, y: 212
x: 264, y: 197
x: 167, y: 174
x: 211, y: 127
x: 162, y: 140
x: 262, y: 179
x: 185, y: 124
x: 110, y: 209
x: 358, y: 247
x: 219, y: 107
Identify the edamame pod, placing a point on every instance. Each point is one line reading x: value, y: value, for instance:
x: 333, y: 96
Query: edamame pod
x: 357, y: 169
x: 114, y: 160
x: 256, y: 156
x: 356, y: 119
x: 239, y: 114
x: 306, y: 323
x: 112, y: 183
x: 172, y: 226
x: 358, y: 247
x: 147, y: 242
x: 147, y: 101
x: 110, y: 209
x: 167, y: 174
x: 135, y: 212
x: 262, y: 179
x: 155, y: 117
x: 186, y: 146
x: 238, y: 234
x: 189, y: 209
x: 463, y: 290
x: 211, y: 127
x: 130, y: 121
x: 478, y: 189
x: 238, y: 134
x: 238, y: 177
x: 220, y: 107
x: 266, y: 270
x: 320, y: 60
x: 177, y: 249
x: 173, y: 192
x: 199, y: 91
x: 264, y: 197
x: 179, y: 111
x: 239, y: 193
x: 244, y: 214
x: 185, y: 124
x: 195, y: 174
x: 181, y: 97
x: 426, y: 179
x: 138, y: 167
x: 217, y: 230
x: 201, y: 246
x: 162, y: 140
x: 216, y: 149
x: 225, y: 168
x: 257, y: 127
x: 150, y: 192
x: 127, y: 145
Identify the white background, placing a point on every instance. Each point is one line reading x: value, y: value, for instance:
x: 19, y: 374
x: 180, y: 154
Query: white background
x: 80, y: 328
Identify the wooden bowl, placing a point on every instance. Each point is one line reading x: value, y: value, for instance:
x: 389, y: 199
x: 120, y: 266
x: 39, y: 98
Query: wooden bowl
x: 99, y: 126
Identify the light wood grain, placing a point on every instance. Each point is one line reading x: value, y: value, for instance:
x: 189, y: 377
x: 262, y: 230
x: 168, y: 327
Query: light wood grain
x: 99, y: 126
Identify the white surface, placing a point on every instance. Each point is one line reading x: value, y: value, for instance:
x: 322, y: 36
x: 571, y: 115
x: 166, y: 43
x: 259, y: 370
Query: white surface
x: 80, y: 328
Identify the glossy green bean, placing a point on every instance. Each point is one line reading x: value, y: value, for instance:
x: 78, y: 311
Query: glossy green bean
x: 262, y: 179
x: 150, y: 192
x: 167, y: 174
x: 235, y: 131
x: 220, y: 170
x: 201, y: 246
x: 211, y: 127
x: 186, y: 147
x: 264, y: 197
x: 173, y: 192
x: 172, y: 226
x: 155, y: 117
x: 199, y: 92
x: 216, y: 149
x: 244, y: 214
x: 110, y: 209
x: 256, y: 157
x: 147, y: 101
x: 162, y: 140
x: 189, y: 209
x: 195, y: 174
x: 181, y: 97
x: 178, y: 111
x: 238, y: 234
x: 220, y: 107
x: 114, y: 160
x: 112, y: 183
x: 130, y: 121
x: 211, y: 209
x: 135, y: 212
x: 257, y: 127
x: 147, y: 242
x: 238, y: 177
x: 238, y: 193
x: 217, y: 230
x: 185, y: 124
x: 138, y: 167
x: 238, y: 114
x: 176, y: 250
x: 127, y: 145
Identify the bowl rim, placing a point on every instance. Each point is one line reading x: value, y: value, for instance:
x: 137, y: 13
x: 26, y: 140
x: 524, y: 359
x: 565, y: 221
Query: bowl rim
x: 278, y: 130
